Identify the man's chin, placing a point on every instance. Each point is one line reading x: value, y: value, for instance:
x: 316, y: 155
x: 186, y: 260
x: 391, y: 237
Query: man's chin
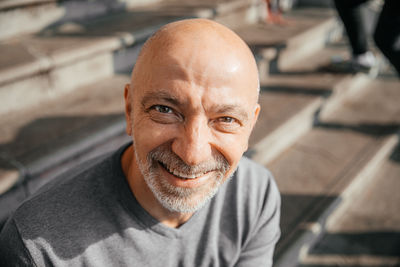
x: 182, y: 199
x: 188, y: 204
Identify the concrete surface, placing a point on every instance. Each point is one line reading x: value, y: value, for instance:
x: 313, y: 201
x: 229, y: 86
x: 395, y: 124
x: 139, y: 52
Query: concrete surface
x: 34, y: 136
x: 305, y: 34
x: 31, y: 127
x: 314, y: 173
x: 19, y: 17
x: 289, y: 101
x: 374, y: 104
x: 49, y: 66
x: 365, y: 229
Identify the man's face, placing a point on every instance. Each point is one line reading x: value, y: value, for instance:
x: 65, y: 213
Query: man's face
x: 191, y: 119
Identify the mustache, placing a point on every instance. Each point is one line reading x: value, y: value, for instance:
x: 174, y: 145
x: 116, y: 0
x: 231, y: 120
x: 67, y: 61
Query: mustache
x: 171, y: 161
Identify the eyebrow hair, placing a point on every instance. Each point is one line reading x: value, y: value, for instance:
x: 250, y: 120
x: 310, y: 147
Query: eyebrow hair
x: 161, y: 95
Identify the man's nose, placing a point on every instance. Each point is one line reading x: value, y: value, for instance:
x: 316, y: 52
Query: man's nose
x: 193, y: 144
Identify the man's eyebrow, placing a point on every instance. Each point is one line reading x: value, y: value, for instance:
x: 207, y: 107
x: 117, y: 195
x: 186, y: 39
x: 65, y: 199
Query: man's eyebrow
x: 160, y: 95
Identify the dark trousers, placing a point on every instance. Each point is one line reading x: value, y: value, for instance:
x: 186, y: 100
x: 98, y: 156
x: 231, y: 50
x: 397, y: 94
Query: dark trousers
x: 387, y: 31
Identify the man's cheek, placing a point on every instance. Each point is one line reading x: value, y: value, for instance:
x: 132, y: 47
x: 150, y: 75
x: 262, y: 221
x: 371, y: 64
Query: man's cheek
x: 152, y: 136
x: 233, y: 146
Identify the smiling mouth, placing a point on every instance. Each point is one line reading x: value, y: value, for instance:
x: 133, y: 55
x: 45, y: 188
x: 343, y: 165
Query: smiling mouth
x: 181, y: 175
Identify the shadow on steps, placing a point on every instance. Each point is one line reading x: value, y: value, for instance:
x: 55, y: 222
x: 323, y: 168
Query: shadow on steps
x: 47, y: 146
x: 386, y: 243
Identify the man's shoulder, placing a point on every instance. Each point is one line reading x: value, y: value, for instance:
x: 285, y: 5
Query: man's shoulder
x: 252, y: 183
x: 68, y: 177
x: 253, y: 174
x: 63, y: 195
x: 248, y: 163
x: 65, y: 211
x: 249, y: 202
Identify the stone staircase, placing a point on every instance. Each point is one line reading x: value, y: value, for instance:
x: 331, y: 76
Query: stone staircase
x: 364, y: 229
x: 329, y: 137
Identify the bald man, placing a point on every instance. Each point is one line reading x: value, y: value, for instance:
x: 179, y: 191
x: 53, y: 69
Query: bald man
x: 180, y: 194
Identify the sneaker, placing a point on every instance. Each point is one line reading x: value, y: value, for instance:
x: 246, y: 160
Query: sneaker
x: 364, y: 61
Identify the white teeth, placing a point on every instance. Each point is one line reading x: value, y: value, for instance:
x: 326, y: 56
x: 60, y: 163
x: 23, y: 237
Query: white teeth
x: 184, y: 175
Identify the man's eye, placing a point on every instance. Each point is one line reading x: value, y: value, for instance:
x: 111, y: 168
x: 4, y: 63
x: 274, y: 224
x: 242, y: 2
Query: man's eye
x: 162, y: 109
x: 227, y: 120
x: 227, y: 124
x: 164, y: 114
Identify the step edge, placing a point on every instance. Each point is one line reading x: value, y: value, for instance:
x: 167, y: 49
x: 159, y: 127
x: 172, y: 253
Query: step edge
x: 45, y: 63
x: 366, y: 175
x: 347, y: 89
x: 304, y: 49
x: 363, y: 177
x: 69, y: 150
x: 295, y: 252
x: 275, y: 143
x: 11, y: 4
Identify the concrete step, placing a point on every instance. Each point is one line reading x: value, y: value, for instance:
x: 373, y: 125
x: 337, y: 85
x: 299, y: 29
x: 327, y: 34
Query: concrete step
x: 29, y: 16
x: 40, y: 67
x: 277, y: 47
x: 37, y: 144
x: 65, y: 56
x: 30, y: 130
x: 232, y: 13
x: 290, y: 100
x: 311, y: 176
x: 372, y: 107
x: 316, y: 171
x: 365, y: 229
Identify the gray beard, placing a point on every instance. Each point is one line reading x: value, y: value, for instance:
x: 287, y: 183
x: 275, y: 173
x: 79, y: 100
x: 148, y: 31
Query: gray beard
x: 179, y: 199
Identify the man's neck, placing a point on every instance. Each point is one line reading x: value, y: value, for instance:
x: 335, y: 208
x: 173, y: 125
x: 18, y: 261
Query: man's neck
x: 145, y: 196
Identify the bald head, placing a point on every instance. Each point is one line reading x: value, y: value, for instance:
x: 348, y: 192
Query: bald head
x: 201, y: 46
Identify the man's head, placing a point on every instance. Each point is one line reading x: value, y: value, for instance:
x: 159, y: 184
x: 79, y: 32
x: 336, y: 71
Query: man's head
x: 190, y: 109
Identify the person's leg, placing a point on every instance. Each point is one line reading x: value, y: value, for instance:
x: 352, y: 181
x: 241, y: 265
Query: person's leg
x: 387, y: 32
x: 350, y: 13
x: 274, y: 13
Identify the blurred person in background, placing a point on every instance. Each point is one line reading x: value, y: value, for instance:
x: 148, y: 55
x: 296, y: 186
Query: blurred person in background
x: 275, y: 9
x: 386, y: 35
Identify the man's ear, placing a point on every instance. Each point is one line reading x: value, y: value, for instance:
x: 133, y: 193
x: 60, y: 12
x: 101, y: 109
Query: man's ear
x: 257, y: 109
x: 128, y: 109
x: 256, y: 113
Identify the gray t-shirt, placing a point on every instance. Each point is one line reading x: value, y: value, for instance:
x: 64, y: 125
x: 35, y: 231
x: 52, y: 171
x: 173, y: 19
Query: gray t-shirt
x: 89, y: 217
